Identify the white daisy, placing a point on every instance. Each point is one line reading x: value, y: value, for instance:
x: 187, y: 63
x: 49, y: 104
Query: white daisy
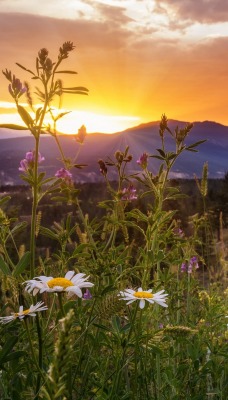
x: 131, y: 295
x: 32, y: 310
x: 71, y: 284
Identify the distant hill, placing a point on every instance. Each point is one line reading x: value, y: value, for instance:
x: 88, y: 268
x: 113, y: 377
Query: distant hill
x: 144, y: 137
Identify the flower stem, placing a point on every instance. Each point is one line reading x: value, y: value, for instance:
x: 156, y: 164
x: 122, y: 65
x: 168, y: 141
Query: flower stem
x: 61, y: 304
x: 32, y: 350
x: 34, y: 209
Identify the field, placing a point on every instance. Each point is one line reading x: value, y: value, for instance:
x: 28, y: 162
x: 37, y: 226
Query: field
x: 115, y: 290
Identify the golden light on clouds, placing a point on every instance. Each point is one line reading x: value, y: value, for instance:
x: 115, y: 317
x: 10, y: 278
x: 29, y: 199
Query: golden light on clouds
x: 138, y: 58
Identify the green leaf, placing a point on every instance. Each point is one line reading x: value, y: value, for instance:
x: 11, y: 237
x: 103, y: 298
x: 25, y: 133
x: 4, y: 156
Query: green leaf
x: 25, y: 116
x: 18, y: 228
x: 195, y: 144
x: 14, y: 355
x: 8, y: 346
x: 154, y: 349
x: 74, y: 92
x: 161, y: 152
x: 62, y: 115
x: 65, y: 72
x: 81, y: 88
x: 4, y: 200
x: 4, y: 267
x: 103, y: 327
x: 38, y: 113
x: 14, y: 127
x: 80, y: 166
x: 25, y: 69
x: 23, y: 263
x: 41, y: 177
x: 47, y: 232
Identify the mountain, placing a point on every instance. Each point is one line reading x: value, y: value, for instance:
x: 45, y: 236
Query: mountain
x: 144, y: 137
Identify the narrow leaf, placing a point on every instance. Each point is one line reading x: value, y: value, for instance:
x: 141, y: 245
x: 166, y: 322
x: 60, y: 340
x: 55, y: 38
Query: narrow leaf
x: 25, y: 116
x: 74, y: 92
x: 14, y: 355
x: 18, y: 228
x: 25, y: 69
x: 195, y: 144
x: 8, y: 346
x: 47, y: 232
x: 65, y: 72
x: 162, y: 153
x: 4, y: 200
x: 4, y: 267
x: 76, y: 88
x: 14, y: 127
x: 23, y: 263
x: 62, y: 115
x: 80, y: 166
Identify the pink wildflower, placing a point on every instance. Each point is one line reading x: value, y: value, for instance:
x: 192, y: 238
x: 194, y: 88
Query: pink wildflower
x: 128, y: 193
x: 28, y: 161
x: 15, y: 88
x: 64, y: 174
x: 87, y: 295
x: 192, y: 265
x: 143, y: 160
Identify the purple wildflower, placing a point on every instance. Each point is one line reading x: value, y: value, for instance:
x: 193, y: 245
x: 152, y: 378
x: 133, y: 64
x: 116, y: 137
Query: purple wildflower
x: 128, y: 193
x: 143, y: 160
x: 87, y: 295
x: 183, y: 267
x: 64, y: 174
x: 15, y: 88
x: 194, y: 262
x: 23, y: 165
x: 189, y: 267
x: 28, y: 161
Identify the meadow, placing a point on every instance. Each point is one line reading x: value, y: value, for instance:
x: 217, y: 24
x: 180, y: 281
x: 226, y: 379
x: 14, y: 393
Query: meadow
x: 124, y: 304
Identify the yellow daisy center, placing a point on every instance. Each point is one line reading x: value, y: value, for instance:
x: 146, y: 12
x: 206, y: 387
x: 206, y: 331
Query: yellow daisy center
x: 63, y: 282
x: 25, y: 312
x: 143, y: 295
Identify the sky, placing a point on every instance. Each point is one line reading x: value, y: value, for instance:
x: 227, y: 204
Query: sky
x: 138, y: 58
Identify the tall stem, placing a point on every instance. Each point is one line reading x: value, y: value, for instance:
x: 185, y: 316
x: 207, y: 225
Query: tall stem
x: 35, y: 188
x: 34, y: 209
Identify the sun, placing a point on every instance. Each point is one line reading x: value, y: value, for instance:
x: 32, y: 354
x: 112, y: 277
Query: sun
x: 93, y: 122
x: 71, y: 122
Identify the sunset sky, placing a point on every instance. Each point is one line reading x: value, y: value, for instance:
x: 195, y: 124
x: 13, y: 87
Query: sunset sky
x: 138, y: 58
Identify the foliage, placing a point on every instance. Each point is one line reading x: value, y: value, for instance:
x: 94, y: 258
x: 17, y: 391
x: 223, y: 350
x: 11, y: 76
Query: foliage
x: 91, y: 343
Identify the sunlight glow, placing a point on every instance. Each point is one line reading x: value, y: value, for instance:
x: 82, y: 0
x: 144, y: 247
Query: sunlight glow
x: 95, y: 122
x: 71, y: 122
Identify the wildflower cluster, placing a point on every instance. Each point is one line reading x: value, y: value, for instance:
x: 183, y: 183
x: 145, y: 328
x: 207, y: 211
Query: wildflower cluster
x: 28, y: 162
x: 128, y: 193
x: 113, y: 318
x: 190, y: 266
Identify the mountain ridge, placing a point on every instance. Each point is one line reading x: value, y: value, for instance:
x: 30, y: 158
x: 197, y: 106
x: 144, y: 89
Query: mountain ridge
x: 141, y: 138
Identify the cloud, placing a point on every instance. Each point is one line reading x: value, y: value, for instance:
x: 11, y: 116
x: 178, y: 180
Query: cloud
x: 203, y: 11
x: 110, y: 13
x: 20, y: 32
x: 126, y: 70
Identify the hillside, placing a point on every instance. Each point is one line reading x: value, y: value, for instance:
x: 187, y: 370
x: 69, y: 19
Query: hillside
x: 141, y: 138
